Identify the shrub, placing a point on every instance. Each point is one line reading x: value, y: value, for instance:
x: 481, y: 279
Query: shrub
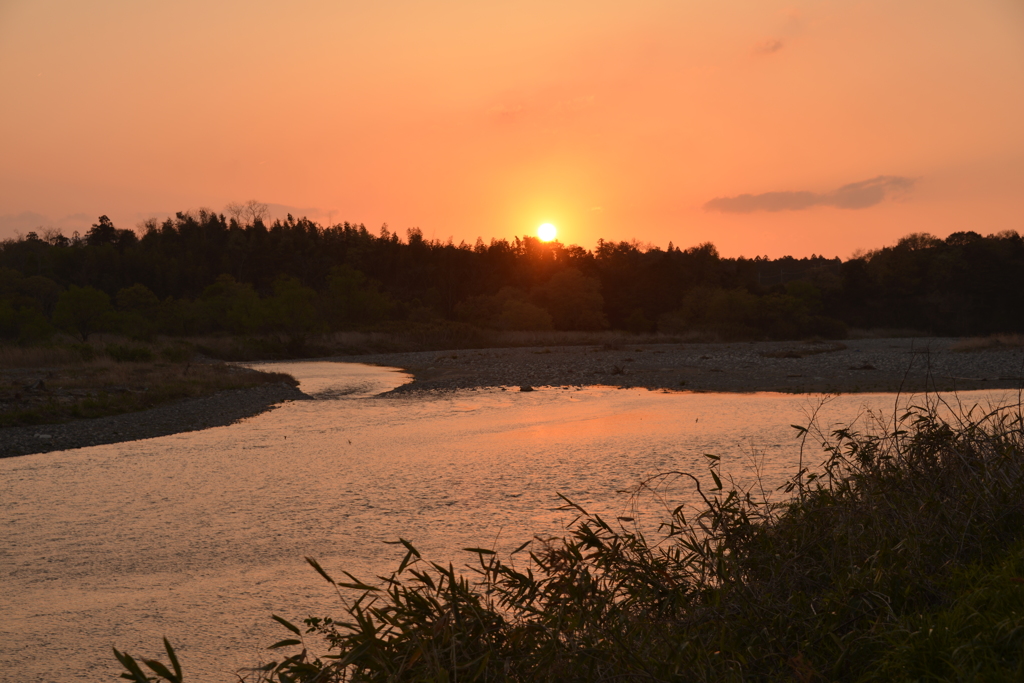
x: 83, y: 311
x: 837, y: 583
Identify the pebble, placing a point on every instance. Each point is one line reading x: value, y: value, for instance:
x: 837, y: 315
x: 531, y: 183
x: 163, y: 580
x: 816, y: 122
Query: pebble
x: 852, y: 366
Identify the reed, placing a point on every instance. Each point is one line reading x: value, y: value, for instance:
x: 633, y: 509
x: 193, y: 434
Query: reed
x: 900, y: 557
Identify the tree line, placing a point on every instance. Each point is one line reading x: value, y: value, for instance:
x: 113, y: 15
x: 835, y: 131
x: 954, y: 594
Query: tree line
x: 202, y: 272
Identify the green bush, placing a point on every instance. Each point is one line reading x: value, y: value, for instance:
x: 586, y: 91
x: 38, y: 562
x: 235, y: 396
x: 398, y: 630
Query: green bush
x: 737, y: 314
x: 83, y: 311
x: 979, y: 635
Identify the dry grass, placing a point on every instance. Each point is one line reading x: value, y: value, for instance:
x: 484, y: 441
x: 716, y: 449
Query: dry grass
x: 441, y: 336
x: 807, y: 349
x: 51, y: 385
x: 995, y: 341
x: 37, y: 356
x: 886, y: 333
x: 607, y: 338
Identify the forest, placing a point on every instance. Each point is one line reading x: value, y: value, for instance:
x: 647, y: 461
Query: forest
x: 204, y: 273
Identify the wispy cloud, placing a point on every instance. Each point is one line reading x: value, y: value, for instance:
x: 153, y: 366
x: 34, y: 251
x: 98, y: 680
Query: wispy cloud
x: 853, y: 196
x: 868, y: 192
x: 573, y: 104
x: 311, y: 212
x: 768, y: 47
x: 22, y: 222
x: 508, y: 111
x: 29, y: 221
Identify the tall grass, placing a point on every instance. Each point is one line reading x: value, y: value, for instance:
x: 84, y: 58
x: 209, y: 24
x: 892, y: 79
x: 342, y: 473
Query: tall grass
x: 38, y: 356
x: 899, y: 558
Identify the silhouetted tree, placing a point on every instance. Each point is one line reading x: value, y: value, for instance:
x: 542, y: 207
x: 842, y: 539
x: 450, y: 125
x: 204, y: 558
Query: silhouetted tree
x: 965, y: 284
x: 83, y: 311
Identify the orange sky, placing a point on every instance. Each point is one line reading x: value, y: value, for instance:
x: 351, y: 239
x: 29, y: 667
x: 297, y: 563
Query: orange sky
x: 644, y: 120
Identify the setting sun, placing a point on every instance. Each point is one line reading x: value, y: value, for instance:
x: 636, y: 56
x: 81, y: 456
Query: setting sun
x: 547, y: 232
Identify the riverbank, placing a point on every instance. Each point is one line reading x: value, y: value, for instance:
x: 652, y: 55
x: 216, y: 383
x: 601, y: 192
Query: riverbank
x: 69, y: 396
x: 188, y: 415
x: 852, y: 366
x: 865, y: 365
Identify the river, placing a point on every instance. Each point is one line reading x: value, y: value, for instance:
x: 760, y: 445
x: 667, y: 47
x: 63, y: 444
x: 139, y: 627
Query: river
x: 201, y: 536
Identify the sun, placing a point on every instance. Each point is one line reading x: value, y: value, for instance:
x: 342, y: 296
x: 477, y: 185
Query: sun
x: 547, y: 232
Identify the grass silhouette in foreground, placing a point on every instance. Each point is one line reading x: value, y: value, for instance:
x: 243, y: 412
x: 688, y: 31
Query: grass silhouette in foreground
x: 900, y: 558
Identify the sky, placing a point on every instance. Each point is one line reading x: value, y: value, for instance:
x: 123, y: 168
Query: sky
x: 767, y: 128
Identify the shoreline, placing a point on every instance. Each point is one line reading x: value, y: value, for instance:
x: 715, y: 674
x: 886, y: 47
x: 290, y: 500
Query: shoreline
x: 852, y: 366
x: 188, y: 415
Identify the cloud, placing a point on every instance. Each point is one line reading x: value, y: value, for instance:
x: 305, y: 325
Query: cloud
x: 868, y: 192
x: 12, y: 224
x: 769, y: 201
x: 508, y: 112
x: 768, y: 47
x: 574, y: 104
x: 313, y: 213
x: 853, y: 196
x: 25, y: 221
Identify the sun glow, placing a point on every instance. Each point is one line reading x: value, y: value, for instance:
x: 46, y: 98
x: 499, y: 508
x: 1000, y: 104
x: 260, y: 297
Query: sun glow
x: 547, y: 232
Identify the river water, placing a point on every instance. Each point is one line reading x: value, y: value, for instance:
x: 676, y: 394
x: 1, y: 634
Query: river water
x: 201, y: 536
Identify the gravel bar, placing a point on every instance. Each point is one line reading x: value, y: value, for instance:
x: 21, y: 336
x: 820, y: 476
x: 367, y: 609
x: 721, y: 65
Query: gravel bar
x: 851, y: 366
